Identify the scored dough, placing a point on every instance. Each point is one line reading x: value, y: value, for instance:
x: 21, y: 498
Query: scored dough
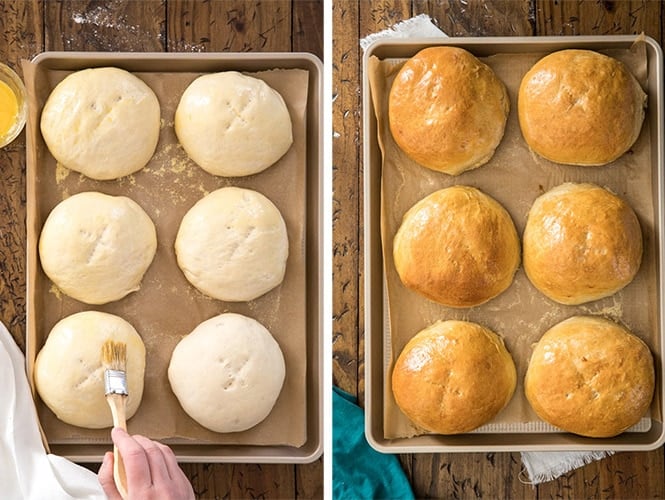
x: 227, y: 373
x: 96, y: 248
x: 101, y: 122
x: 232, y: 124
x: 68, y: 370
x: 232, y: 245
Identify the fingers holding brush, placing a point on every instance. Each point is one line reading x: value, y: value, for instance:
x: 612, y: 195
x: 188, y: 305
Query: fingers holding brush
x: 152, y: 469
x: 105, y: 476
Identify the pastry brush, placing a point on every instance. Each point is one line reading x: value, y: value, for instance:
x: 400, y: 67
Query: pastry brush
x: 114, y: 359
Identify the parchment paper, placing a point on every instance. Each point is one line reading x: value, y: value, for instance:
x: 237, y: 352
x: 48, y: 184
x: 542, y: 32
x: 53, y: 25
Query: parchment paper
x: 515, y: 177
x: 167, y: 307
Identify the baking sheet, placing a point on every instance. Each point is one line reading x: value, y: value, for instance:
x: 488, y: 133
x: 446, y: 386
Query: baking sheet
x: 514, y: 177
x: 167, y: 307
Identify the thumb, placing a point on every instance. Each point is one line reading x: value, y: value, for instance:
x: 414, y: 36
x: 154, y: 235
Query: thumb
x: 105, y: 477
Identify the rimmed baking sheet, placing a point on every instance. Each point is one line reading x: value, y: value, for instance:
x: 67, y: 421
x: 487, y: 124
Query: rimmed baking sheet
x: 167, y: 308
x: 515, y: 184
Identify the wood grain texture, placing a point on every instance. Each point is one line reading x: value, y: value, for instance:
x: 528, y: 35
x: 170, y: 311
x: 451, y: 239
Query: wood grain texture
x: 229, y: 26
x: 623, y: 17
x: 497, y: 475
x: 501, y: 17
x: 115, y: 25
x: 346, y: 203
x: 307, y: 34
x: 29, y: 27
x: 22, y: 38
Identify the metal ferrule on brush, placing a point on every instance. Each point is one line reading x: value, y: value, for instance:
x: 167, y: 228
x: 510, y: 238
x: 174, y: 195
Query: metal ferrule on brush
x: 115, y: 382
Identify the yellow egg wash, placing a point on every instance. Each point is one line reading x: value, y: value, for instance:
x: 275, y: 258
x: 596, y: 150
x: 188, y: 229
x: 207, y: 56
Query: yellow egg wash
x: 8, y: 108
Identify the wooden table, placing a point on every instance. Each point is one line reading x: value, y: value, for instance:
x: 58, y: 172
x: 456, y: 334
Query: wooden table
x: 448, y: 475
x: 28, y: 27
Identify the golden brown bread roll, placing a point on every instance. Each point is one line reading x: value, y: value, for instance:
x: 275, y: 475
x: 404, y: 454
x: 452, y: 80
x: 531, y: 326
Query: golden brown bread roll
x: 581, y: 243
x: 580, y: 107
x: 458, y: 247
x: 447, y: 110
x: 589, y: 376
x: 453, y: 377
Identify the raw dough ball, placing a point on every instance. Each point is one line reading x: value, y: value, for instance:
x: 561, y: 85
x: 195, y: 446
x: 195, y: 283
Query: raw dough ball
x: 453, y: 376
x: 447, y: 110
x: 96, y: 248
x: 102, y: 122
x: 581, y: 243
x: 227, y: 373
x: 232, y: 245
x: 580, y: 107
x: 457, y: 246
x: 590, y: 376
x: 68, y: 370
x: 231, y: 124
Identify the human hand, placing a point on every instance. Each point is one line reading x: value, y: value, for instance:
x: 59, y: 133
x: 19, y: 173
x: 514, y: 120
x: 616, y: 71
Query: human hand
x: 151, y: 467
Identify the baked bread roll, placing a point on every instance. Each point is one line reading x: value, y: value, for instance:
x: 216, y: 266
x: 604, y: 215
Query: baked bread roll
x: 232, y: 124
x: 589, y: 376
x: 453, y: 377
x: 458, y: 247
x: 581, y: 243
x: 96, y: 248
x: 447, y: 110
x: 579, y: 107
x: 227, y: 373
x: 101, y: 122
x: 69, y: 375
x: 232, y: 245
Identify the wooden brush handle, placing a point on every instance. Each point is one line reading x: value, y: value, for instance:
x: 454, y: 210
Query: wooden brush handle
x: 117, y: 404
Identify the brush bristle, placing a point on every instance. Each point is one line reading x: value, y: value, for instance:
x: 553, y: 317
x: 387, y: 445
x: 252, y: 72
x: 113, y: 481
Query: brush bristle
x: 114, y: 355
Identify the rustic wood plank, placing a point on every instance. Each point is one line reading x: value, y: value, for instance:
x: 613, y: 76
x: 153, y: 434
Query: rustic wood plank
x: 240, y: 480
x: 22, y: 38
x: 346, y: 208
x: 469, y: 475
x: 624, y: 475
x: 116, y: 25
x: 309, y: 479
x: 12, y: 239
x: 307, y: 34
x: 590, y: 17
x: 479, y: 18
x: 229, y: 26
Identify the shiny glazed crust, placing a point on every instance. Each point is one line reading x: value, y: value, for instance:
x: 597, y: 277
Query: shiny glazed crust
x: 590, y: 376
x: 458, y: 247
x: 580, y: 107
x: 447, y: 110
x: 453, y: 377
x: 581, y: 243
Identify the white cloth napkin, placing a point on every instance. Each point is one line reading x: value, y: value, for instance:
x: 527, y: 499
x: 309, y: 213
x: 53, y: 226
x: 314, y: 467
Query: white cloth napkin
x: 26, y: 470
x: 539, y: 466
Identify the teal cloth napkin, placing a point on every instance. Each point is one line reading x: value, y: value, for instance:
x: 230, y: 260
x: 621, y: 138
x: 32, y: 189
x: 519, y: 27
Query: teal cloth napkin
x: 359, y: 471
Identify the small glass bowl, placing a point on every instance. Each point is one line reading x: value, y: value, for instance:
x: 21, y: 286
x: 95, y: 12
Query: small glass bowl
x: 13, y: 81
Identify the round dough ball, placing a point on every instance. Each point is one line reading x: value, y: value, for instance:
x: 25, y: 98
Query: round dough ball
x: 101, y: 122
x: 581, y: 243
x: 69, y: 375
x: 589, y: 376
x: 227, y: 373
x: 232, y: 124
x: 579, y: 107
x: 232, y: 245
x: 96, y: 248
x: 453, y: 377
x: 447, y: 110
x: 458, y: 247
